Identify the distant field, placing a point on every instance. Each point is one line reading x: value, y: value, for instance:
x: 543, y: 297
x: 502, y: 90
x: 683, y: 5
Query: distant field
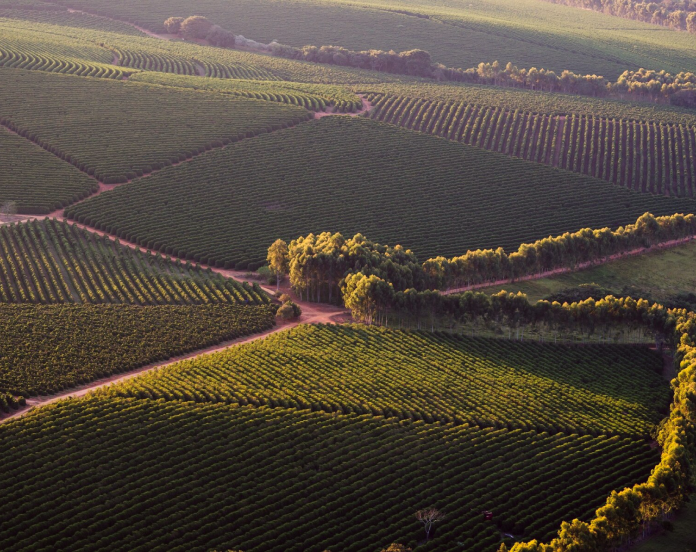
x: 120, y: 130
x: 52, y: 262
x: 643, y: 156
x: 526, y: 32
x: 50, y: 347
x: 185, y: 477
x: 660, y: 275
x: 37, y: 181
x: 355, y: 175
x: 404, y: 374
x: 683, y: 539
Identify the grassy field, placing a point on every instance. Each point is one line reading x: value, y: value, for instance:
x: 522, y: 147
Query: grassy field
x: 526, y: 32
x: 683, y: 539
x: 660, y: 275
x: 356, y: 175
x: 184, y: 477
x: 372, y: 370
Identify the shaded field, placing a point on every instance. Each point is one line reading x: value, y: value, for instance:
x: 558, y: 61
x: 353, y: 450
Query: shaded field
x: 183, y: 477
x: 371, y: 370
x: 356, y: 175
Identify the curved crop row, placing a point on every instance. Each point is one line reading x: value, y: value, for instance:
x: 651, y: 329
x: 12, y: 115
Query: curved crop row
x: 644, y: 156
x: 186, y: 477
x: 47, y: 348
x: 236, y: 71
x: 53, y: 262
x: 371, y: 370
x: 148, y: 61
x: 18, y: 60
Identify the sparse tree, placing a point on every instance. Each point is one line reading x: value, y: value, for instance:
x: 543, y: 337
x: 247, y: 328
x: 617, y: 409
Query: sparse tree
x: 278, y: 260
x: 173, y: 25
x: 428, y: 518
x: 8, y: 209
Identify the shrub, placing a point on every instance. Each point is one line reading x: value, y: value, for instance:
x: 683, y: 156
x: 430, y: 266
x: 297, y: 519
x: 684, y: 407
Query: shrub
x: 289, y: 311
x: 217, y: 36
x: 195, y: 26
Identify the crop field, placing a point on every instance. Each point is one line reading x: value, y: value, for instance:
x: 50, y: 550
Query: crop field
x: 52, y: 14
x: 647, y: 157
x: 47, y: 348
x: 525, y: 32
x: 315, y: 97
x: 166, y: 475
x: 346, y: 175
x: 35, y: 180
x: 375, y: 371
x: 92, y: 128
x: 52, y: 262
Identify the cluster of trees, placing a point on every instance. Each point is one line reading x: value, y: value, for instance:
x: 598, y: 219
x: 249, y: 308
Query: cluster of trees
x: 373, y: 279
x: 676, y: 14
x: 199, y: 27
x: 680, y: 88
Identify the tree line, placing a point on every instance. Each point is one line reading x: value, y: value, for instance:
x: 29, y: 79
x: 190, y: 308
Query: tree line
x: 675, y: 14
x: 679, y: 89
x: 371, y: 279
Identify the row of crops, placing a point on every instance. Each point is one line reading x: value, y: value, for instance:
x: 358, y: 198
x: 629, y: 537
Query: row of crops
x: 351, y: 175
x: 121, y: 130
x: 646, y: 157
x: 184, y: 477
x: 35, y: 180
x: 369, y: 370
x: 315, y: 97
x: 18, y: 60
x: 46, y: 348
x: 147, y: 61
x: 52, y: 262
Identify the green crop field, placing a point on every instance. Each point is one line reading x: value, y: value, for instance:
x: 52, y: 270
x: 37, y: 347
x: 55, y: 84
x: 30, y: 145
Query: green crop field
x: 50, y: 347
x: 426, y: 377
x: 646, y: 157
x: 179, y: 476
x: 340, y: 174
x: 120, y: 130
x: 526, y: 32
x: 35, y: 180
x: 51, y: 262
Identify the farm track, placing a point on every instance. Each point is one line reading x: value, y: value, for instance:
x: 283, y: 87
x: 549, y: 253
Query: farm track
x: 579, y: 267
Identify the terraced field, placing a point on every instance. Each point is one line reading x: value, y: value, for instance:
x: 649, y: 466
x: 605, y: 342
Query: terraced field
x: 179, y: 476
x: 50, y: 347
x: 376, y: 371
x: 644, y: 156
x: 35, y: 180
x: 51, y: 262
x: 355, y: 175
x: 108, y: 129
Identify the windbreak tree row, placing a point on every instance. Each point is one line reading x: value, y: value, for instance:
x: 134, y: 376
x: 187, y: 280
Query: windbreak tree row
x: 644, y: 156
x: 370, y: 370
x: 186, y: 477
x: 52, y: 262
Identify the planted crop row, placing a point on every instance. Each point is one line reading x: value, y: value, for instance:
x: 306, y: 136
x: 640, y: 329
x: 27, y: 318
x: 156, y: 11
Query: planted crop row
x: 53, y: 262
x: 37, y: 181
x: 83, y: 121
x: 185, y: 477
x: 427, y: 377
x: 310, y: 96
x: 237, y: 71
x: 147, y: 61
x: 646, y: 157
x: 46, y: 348
x: 351, y: 175
x: 17, y: 60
